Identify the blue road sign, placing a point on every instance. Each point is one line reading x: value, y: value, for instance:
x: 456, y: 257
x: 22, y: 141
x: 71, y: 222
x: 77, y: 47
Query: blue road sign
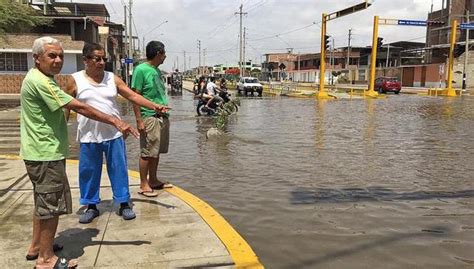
x: 128, y: 60
x: 412, y: 23
x: 467, y: 26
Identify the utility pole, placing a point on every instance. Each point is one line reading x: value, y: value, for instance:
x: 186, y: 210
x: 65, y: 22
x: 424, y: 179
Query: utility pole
x: 130, y: 47
x: 241, y: 38
x: 349, y: 49
x: 184, y: 61
x: 204, y: 60
x: 189, y: 62
x: 331, y: 61
x: 199, y: 66
x: 299, y: 71
x: 125, y: 65
x: 466, y: 55
x: 243, y: 56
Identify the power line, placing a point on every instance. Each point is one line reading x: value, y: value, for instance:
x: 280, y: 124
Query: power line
x: 223, y: 26
x: 287, y: 32
x: 256, y: 5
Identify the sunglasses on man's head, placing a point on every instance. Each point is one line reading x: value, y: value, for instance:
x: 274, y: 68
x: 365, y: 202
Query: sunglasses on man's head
x: 97, y: 58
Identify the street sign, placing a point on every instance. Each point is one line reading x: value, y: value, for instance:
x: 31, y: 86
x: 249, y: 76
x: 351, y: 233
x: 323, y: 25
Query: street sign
x: 467, y: 26
x: 412, y: 23
x: 128, y: 60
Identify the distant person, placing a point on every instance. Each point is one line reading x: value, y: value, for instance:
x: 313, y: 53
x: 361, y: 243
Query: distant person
x: 223, y: 84
x: 99, y: 89
x: 212, y: 91
x: 44, y: 147
x: 153, y: 127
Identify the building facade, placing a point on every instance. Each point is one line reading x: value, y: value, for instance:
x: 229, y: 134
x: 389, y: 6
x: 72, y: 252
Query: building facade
x: 72, y: 24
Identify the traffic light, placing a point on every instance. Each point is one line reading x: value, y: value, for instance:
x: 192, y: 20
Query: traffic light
x: 379, y: 42
x: 327, y: 42
x: 435, y: 23
x: 459, y: 50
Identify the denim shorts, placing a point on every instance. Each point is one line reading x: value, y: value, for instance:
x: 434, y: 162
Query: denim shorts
x: 51, y: 191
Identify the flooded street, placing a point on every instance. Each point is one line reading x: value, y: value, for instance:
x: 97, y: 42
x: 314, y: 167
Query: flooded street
x: 384, y: 183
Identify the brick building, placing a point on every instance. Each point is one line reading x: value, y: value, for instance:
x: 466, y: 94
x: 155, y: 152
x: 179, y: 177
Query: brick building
x: 438, y: 40
x: 72, y: 24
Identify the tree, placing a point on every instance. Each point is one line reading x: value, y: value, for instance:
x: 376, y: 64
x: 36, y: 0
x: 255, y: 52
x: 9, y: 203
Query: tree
x: 17, y: 18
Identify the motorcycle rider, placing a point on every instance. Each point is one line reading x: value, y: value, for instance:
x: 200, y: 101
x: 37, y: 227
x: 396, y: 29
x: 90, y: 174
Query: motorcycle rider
x: 176, y: 80
x: 213, y: 92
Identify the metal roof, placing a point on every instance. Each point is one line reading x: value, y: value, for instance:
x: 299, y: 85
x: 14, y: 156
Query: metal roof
x: 73, y: 9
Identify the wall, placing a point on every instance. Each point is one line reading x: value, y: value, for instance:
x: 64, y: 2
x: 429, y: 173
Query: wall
x: 70, y: 64
x: 458, y: 69
x: 11, y: 83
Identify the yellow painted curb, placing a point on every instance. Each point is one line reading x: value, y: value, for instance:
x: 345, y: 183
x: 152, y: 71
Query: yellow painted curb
x: 240, y: 251
x: 10, y: 157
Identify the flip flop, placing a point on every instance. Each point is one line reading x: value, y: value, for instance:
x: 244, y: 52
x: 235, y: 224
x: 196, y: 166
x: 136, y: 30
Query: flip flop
x: 56, y: 247
x: 62, y: 263
x: 163, y: 185
x: 148, y: 193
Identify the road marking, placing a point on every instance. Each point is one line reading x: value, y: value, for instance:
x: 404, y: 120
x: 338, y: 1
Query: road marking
x: 240, y: 251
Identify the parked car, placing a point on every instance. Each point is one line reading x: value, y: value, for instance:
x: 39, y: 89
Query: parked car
x: 250, y: 85
x: 388, y: 84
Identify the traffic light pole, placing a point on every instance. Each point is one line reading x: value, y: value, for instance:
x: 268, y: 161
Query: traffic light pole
x: 322, y: 64
x: 373, y: 57
x: 325, y: 18
x: 449, y: 87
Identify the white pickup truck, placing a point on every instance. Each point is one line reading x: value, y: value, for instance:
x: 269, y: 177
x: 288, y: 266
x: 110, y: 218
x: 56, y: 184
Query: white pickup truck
x: 250, y: 85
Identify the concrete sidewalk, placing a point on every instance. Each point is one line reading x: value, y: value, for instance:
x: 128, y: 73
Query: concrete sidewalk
x: 173, y: 230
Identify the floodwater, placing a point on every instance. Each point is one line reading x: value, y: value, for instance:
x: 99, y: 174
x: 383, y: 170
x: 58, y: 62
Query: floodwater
x: 384, y: 183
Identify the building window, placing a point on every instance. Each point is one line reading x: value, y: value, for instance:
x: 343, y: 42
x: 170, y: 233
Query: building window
x: 13, y: 62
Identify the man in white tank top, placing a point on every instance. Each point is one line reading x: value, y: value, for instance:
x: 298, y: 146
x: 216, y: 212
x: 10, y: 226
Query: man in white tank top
x: 99, y: 89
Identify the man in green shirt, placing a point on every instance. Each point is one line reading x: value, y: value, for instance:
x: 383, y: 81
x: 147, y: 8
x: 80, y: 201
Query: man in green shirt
x: 44, y: 147
x: 153, y: 127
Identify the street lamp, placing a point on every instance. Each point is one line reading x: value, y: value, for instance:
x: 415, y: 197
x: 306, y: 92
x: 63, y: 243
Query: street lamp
x: 154, y: 28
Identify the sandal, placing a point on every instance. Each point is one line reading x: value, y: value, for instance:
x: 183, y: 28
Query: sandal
x: 163, y: 185
x: 56, y: 247
x: 61, y: 263
x: 148, y: 193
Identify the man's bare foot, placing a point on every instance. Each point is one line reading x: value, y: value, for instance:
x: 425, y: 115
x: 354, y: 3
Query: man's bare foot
x: 56, y: 262
x: 33, y: 251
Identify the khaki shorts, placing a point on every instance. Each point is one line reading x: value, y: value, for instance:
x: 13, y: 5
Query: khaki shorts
x: 156, y: 138
x: 51, y: 190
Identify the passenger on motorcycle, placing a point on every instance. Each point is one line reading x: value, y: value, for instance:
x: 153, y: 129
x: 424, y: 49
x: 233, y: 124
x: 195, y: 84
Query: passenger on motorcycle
x: 223, y: 84
x: 200, y: 87
x: 213, y: 92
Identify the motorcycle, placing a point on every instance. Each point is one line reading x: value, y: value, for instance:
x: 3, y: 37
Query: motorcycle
x: 176, y: 85
x: 227, y: 104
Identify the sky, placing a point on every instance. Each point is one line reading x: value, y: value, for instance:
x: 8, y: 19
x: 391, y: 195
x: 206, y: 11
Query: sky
x: 272, y: 26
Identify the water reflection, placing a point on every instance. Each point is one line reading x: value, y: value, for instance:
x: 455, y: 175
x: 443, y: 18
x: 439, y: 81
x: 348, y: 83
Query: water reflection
x: 320, y: 123
x: 356, y: 181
